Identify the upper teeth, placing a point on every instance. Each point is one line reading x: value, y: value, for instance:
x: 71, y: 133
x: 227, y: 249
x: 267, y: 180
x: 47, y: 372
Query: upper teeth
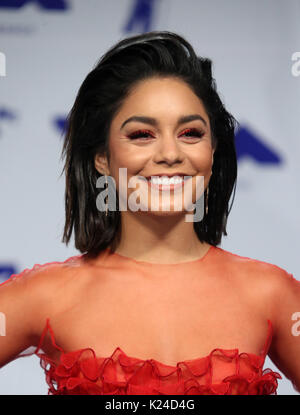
x: 166, y: 180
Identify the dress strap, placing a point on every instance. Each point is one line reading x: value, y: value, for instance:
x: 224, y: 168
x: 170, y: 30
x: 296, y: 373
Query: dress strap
x: 46, y: 328
x: 268, y: 339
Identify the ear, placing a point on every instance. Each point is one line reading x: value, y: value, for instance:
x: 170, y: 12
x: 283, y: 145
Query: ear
x: 101, y: 164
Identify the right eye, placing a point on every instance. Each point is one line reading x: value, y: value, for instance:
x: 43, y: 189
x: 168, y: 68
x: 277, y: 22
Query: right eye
x: 139, y: 134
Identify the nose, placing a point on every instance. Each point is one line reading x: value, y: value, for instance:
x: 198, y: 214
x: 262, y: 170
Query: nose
x: 168, y: 150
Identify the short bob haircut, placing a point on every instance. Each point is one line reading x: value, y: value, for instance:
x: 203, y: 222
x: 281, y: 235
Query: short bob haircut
x: 136, y: 58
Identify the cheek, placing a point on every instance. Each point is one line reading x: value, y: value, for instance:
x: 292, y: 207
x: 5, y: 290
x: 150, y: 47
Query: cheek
x: 202, y: 160
x: 129, y: 159
x: 127, y: 156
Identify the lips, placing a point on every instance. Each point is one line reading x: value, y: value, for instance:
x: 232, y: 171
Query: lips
x: 166, y: 175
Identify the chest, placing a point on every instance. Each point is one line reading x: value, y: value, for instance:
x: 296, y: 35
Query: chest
x: 169, y: 320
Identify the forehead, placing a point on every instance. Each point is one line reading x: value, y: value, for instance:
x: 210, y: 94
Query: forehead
x: 162, y: 98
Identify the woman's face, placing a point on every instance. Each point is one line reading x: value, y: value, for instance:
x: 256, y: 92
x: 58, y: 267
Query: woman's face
x: 150, y: 137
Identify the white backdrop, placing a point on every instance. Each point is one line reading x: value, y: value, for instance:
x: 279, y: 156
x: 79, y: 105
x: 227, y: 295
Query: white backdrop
x: 48, y: 54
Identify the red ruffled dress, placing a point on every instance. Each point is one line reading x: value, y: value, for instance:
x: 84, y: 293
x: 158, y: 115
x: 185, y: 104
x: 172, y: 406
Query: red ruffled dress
x: 221, y: 372
x: 83, y: 372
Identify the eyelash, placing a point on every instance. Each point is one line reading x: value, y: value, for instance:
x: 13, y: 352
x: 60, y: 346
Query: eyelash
x: 139, y: 133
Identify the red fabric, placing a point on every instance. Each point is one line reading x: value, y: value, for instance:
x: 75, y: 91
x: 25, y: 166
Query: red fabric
x: 81, y: 372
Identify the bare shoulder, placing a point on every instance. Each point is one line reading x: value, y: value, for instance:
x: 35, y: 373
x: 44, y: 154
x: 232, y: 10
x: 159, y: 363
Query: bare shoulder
x: 255, y: 270
x: 57, y: 284
x: 49, y: 288
x: 263, y: 281
x: 275, y: 292
x: 42, y: 276
x: 27, y: 298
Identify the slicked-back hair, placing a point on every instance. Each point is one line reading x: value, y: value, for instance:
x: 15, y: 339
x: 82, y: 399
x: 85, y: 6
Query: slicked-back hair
x: 102, y: 93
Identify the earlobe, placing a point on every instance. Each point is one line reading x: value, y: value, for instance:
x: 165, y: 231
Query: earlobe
x: 100, y: 163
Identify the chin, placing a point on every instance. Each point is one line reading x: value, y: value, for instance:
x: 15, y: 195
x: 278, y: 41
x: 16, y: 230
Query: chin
x: 165, y: 213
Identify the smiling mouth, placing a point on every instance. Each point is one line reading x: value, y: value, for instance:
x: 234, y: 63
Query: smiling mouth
x: 167, y: 182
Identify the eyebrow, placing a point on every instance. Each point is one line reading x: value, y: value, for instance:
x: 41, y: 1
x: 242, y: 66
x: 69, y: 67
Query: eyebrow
x: 153, y: 121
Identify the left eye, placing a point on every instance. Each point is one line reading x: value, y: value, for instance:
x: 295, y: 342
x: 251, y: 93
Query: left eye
x: 193, y: 132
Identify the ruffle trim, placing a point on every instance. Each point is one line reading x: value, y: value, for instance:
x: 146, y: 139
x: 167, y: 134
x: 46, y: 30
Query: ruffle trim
x: 81, y: 372
x: 73, y: 261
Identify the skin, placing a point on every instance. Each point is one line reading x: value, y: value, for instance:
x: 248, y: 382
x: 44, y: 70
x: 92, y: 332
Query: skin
x: 159, y: 236
x: 227, y: 310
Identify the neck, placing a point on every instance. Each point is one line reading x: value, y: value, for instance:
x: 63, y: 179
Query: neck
x: 157, y: 238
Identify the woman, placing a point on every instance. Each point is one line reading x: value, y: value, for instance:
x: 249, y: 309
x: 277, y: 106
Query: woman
x: 152, y: 305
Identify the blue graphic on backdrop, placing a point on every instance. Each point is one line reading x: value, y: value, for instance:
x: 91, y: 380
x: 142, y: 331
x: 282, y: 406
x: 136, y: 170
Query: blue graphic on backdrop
x: 60, y: 124
x: 141, y: 16
x: 43, y: 4
x: 246, y: 142
x: 6, y: 115
x: 6, y: 270
x: 249, y: 145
